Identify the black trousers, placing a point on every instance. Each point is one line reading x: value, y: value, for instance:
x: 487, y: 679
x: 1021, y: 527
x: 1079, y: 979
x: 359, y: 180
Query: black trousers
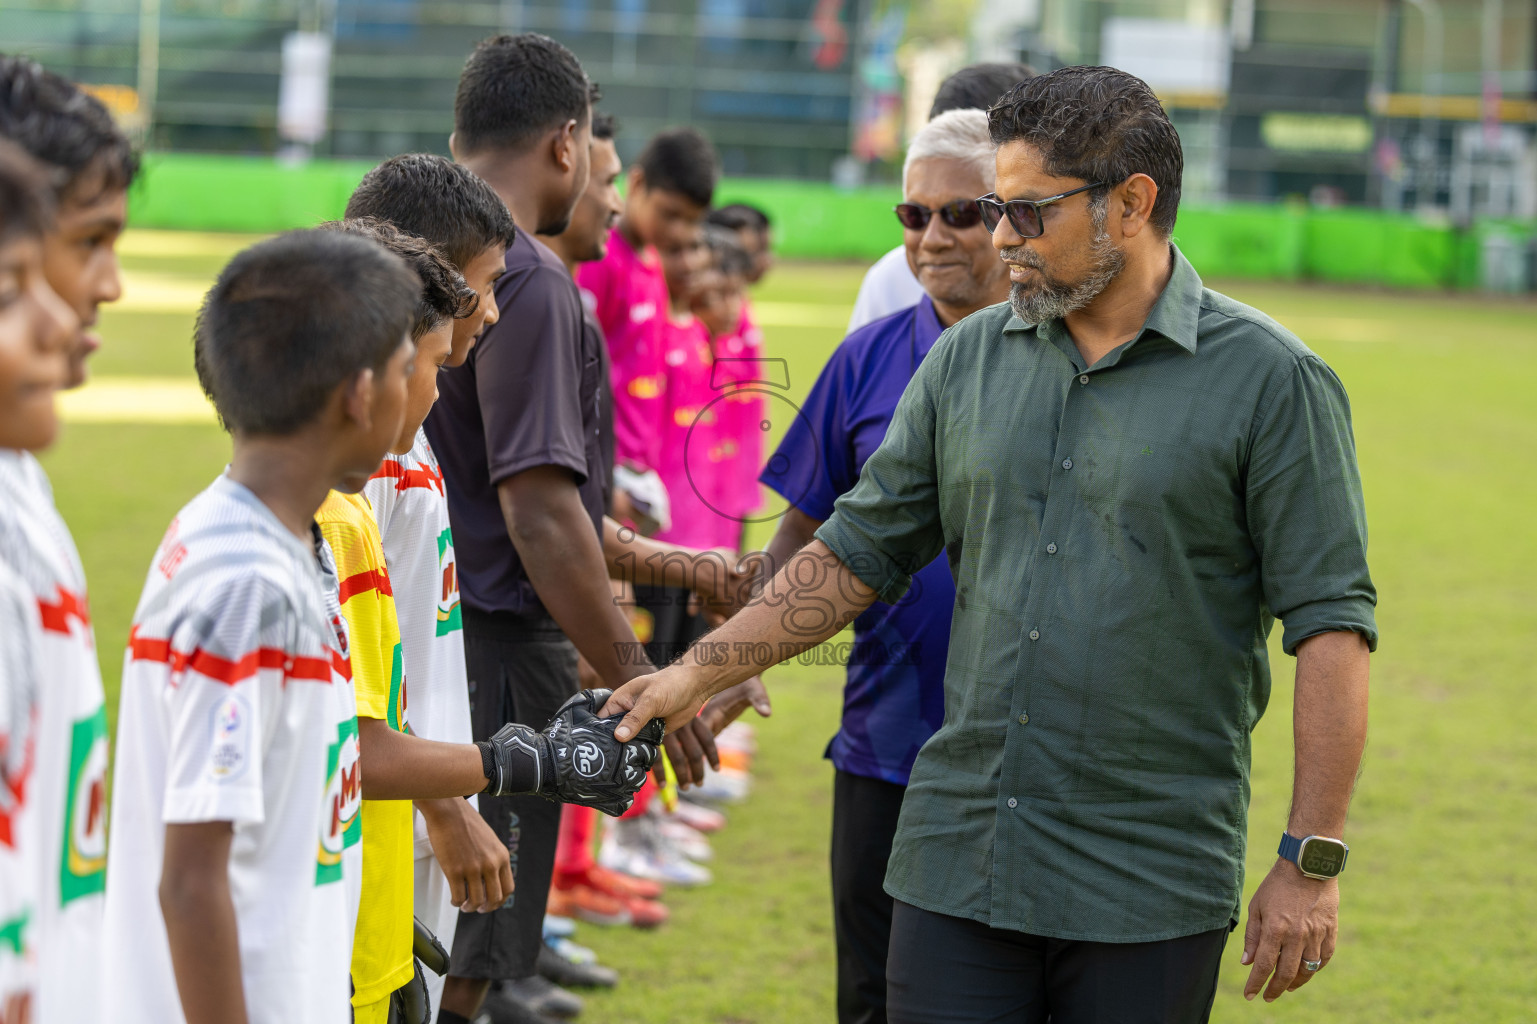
x: 864, y: 822
x: 948, y: 970
x: 519, y: 671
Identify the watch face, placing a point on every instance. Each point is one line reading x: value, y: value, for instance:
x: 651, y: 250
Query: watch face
x: 1322, y: 857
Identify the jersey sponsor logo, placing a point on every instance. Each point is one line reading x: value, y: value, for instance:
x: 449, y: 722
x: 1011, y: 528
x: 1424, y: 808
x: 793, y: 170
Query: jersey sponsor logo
x: 588, y: 759
x: 13, y: 933
x: 396, y: 717
x: 449, y: 616
x: 229, y: 749
x: 83, y: 867
x: 340, y: 823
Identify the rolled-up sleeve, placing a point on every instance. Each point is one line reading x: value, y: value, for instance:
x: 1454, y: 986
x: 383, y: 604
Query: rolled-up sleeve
x: 888, y: 526
x: 1305, y: 508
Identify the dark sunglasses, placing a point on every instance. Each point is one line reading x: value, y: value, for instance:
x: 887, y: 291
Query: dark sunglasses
x: 963, y: 213
x: 1024, y: 214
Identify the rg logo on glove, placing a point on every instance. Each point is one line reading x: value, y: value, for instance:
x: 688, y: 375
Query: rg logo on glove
x: 589, y: 759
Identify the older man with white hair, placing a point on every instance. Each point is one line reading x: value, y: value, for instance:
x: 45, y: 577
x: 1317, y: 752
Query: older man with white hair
x: 894, y: 698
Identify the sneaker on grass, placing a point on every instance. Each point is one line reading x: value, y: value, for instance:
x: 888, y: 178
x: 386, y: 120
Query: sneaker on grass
x: 574, y: 974
x: 543, y: 996
x: 636, y: 846
x: 587, y: 904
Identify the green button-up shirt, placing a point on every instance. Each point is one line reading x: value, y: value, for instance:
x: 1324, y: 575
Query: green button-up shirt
x: 1122, y: 537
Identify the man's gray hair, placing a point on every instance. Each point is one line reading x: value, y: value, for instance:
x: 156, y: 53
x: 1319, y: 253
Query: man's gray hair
x: 955, y: 135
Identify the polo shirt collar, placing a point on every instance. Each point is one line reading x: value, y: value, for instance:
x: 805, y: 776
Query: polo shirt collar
x: 1175, y: 315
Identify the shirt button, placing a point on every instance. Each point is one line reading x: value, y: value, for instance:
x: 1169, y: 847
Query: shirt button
x: 1035, y: 634
x: 1024, y: 719
x: 1051, y: 549
x: 1084, y: 379
x: 1013, y: 802
x: 1067, y: 463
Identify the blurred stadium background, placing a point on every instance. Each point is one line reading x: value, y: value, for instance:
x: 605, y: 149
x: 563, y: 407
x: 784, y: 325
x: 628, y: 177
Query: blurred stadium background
x: 1364, y: 170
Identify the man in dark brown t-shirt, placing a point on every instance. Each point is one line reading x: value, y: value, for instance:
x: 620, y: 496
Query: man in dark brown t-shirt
x: 516, y: 431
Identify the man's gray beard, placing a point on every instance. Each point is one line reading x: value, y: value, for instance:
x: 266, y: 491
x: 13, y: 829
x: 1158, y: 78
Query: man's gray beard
x: 1038, y: 302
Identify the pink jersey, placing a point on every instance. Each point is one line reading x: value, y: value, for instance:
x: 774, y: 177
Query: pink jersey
x: 631, y: 297
x: 737, y: 363
x: 690, y: 441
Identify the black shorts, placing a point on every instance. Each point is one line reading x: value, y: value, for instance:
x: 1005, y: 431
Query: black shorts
x: 519, y: 671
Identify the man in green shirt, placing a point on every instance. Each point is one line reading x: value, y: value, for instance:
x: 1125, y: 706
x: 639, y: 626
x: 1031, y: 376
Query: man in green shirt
x: 1132, y: 477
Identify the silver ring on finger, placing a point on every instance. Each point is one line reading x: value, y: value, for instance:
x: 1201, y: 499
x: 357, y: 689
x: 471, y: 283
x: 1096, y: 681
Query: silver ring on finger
x: 1312, y: 965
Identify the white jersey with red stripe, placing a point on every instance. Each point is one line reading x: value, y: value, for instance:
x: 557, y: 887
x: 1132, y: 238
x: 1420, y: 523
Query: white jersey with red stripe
x: 19, y: 678
x: 237, y: 706
x: 411, y: 508
x: 68, y: 784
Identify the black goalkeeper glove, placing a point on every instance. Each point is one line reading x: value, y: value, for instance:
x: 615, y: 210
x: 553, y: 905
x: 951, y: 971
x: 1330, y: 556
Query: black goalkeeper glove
x: 574, y: 759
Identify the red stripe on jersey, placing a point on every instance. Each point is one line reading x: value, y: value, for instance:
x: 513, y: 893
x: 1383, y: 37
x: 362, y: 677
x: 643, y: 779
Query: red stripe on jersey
x: 363, y: 582
x: 69, y: 605
x: 223, y: 670
x: 405, y: 479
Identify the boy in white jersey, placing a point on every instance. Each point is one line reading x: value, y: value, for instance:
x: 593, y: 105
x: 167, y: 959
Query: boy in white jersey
x: 35, y: 329
x: 237, y: 860
x: 92, y: 165
x: 459, y: 859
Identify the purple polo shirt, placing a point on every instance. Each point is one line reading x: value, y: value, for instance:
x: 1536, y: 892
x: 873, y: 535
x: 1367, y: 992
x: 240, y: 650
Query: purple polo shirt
x: 894, y: 697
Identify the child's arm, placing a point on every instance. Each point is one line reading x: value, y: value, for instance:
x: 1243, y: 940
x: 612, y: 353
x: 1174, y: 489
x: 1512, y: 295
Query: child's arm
x: 472, y: 858
x: 200, y: 922
x: 399, y: 766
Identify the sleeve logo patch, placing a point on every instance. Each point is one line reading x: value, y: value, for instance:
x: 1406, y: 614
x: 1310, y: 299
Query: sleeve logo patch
x: 229, y: 749
x: 84, y: 868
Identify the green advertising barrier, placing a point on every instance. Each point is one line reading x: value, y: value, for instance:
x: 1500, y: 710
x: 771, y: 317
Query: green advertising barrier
x: 1285, y: 242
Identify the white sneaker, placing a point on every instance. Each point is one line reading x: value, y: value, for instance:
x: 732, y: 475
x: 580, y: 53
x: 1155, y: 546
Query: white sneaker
x: 635, y: 846
x: 686, y: 841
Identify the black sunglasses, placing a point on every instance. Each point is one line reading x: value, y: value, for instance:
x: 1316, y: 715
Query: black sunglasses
x: 1024, y: 214
x: 963, y: 213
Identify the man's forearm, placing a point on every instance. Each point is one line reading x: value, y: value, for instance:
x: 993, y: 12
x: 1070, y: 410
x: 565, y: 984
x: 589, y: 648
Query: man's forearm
x: 399, y: 766
x: 644, y: 562
x: 564, y: 561
x: 1329, y: 724
x: 809, y: 600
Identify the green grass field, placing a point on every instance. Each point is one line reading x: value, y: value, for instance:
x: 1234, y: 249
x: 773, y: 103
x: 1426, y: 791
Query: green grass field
x: 1441, y: 896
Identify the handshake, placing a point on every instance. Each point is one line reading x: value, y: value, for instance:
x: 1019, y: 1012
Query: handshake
x: 574, y: 759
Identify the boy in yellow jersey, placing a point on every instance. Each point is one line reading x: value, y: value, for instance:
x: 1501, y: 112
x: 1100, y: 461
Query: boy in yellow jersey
x: 399, y: 768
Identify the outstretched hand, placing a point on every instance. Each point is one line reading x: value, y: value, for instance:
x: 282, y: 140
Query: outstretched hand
x: 591, y: 766
x: 670, y: 694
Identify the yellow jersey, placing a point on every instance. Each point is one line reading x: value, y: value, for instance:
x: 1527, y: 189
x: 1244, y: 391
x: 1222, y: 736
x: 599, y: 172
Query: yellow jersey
x: 381, y: 949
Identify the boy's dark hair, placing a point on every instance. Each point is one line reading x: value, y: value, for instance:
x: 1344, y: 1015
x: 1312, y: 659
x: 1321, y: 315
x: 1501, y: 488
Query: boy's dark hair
x: 26, y: 195
x: 514, y: 89
x: 604, y: 126
x: 681, y: 160
x: 1097, y: 124
x: 978, y: 86
x: 726, y: 251
x: 293, y: 317
x: 445, y: 296
x: 434, y: 198
x: 58, y: 123
x: 740, y: 217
